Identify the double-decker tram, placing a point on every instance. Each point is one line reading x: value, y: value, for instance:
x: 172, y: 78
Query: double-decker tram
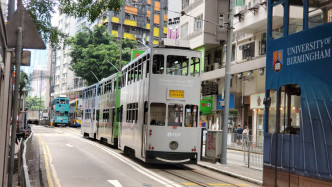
x: 298, y: 103
x: 159, y: 106
x: 75, y: 113
x: 108, y: 103
x: 60, y: 111
x: 89, y: 107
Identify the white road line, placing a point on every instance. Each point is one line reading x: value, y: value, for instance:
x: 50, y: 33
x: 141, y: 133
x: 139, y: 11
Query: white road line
x: 115, y: 183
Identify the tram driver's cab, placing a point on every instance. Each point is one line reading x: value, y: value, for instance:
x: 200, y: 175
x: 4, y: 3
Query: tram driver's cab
x: 284, y: 109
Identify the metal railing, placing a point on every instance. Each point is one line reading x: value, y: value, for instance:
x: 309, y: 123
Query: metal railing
x: 251, y: 146
x: 23, y: 174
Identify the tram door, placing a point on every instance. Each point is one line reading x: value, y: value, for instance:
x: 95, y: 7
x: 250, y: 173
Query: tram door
x: 288, y: 135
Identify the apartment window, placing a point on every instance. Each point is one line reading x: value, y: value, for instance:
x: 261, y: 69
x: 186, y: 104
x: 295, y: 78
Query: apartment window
x: 116, y: 14
x: 198, y: 23
x: 233, y: 53
x: 262, y: 45
x: 239, y: 2
x: 133, y: 31
x: 134, y: 17
x: 221, y: 21
x: 127, y: 29
x: 127, y: 16
x: 185, y: 3
x: 248, y: 51
x: 184, y: 30
x: 217, y: 56
x: 115, y: 27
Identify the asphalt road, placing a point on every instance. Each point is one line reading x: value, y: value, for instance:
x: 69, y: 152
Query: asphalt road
x: 72, y: 160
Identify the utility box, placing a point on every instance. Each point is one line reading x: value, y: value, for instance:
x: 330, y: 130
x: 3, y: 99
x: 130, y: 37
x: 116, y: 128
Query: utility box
x: 213, y: 144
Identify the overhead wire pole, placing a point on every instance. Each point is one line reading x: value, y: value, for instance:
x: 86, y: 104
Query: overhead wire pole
x: 151, y: 23
x: 121, y: 34
x: 223, y: 159
x: 161, y: 20
x: 11, y: 8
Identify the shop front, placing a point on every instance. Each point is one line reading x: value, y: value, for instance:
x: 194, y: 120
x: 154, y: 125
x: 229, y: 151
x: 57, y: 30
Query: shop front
x: 257, y: 108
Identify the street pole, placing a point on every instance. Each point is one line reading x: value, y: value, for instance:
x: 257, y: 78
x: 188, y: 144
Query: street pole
x: 151, y: 23
x: 223, y: 159
x: 161, y: 20
x: 11, y: 8
x: 121, y: 34
x: 15, y: 104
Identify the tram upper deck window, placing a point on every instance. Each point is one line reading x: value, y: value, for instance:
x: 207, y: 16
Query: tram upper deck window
x: 271, y: 103
x: 195, y: 65
x: 295, y: 17
x: 277, y: 21
x: 175, y: 114
x: 157, y: 114
x: 191, y: 116
x: 290, y: 106
x: 318, y: 14
x: 177, y: 65
x: 158, y: 64
x: 62, y: 101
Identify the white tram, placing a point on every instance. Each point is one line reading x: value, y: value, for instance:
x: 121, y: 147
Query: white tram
x: 107, y: 129
x: 89, y: 103
x: 159, y: 106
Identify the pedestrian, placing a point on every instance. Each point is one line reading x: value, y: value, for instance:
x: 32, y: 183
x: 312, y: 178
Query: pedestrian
x: 239, y: 131
x: 245, y: 135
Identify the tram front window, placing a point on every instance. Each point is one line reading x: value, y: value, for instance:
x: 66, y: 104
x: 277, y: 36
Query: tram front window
x: 158, y: 64
x: 191, y: 115
x: 175, y: 114
x: 290, y: 107
x: 177, y: 65
x: 272, y: 111
x: 157, y: 114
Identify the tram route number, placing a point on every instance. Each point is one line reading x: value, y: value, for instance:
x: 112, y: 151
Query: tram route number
x: 176, y: 93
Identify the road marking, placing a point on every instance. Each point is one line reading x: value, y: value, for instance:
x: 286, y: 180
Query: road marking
x: 115, y: 183
x: 219, y: 184
x: 69, y: 145
x: 189, y: 184
x: 49, y: 178
x: 48, y: 152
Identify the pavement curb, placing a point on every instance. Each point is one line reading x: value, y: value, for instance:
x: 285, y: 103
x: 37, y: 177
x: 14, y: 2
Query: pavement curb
x: 255, y: 181
x: 42, y: 169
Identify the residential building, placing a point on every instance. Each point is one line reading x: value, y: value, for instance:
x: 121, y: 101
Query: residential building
x: 174, y: 14
x: 202, y: 23
x: 38, y: 82
x: 136, y: 20
x: 65, y: 80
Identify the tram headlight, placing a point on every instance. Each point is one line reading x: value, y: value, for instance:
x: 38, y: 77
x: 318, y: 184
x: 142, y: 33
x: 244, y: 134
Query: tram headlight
x: 173, y: 145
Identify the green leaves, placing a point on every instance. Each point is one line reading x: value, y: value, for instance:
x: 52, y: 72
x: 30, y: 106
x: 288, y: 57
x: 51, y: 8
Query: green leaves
x: 92, y: 50
x: 90, y: 8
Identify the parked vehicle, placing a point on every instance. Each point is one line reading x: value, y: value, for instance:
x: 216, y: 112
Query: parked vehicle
x: 33, y: 117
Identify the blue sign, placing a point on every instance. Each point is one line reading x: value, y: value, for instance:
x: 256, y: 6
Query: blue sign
x: 220, y: 101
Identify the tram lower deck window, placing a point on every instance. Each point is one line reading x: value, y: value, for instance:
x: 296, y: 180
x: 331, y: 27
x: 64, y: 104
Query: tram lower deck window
x: 191, y: 116
x: 175, y: 114
x: 157, y: 114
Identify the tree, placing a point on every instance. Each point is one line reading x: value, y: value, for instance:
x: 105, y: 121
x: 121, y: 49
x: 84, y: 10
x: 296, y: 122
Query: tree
x: 93, y: 49
x: 34, y: 103
x: 89, y: 8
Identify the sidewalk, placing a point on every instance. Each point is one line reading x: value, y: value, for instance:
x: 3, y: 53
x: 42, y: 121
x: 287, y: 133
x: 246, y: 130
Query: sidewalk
x: 234, y: 170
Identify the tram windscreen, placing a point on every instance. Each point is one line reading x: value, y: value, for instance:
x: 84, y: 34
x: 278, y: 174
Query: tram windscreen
x: 157, y: 114
x: 177, y: 65
x: 290, y: 107
x: 191, y: 115
x: 175, y: 114
x: 158, y: 64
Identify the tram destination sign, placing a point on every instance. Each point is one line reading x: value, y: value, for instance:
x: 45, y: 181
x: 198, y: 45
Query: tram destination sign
x: 176, y: 93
